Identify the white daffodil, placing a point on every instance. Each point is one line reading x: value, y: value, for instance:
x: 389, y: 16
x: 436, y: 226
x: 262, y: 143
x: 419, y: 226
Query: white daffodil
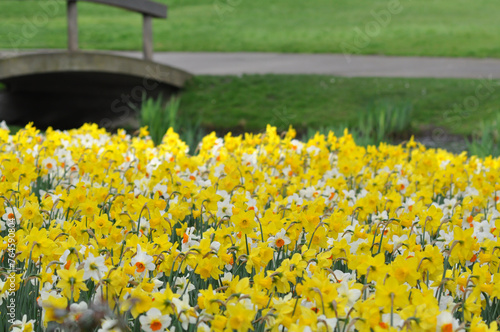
x: 279, y: 240
x: 155, y: 321
x: 76, y: 310
x: 185, y: 312
x: 23, y: 325
x: 446, y: 322
x: 142, y: 261
x: 183, y: 285
x: 224, y: 208
x: 94, y: 267
x: 11, y: 215
x: 50, y: 164
x: 326, y: 324
x: 110, y: 325
x: 352, y: 295
x: 189, y: 239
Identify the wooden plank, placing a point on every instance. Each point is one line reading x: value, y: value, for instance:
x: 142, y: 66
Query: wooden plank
x: 145, y: 7
x: 72, y: 26
x: 147, y: 37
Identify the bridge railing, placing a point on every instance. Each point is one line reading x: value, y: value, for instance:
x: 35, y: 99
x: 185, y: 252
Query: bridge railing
x: 148, y: 9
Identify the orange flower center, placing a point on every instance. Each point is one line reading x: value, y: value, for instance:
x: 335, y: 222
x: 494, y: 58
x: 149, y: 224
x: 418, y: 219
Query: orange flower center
x: 447, y: 328
x: 140, y: 267
x: 185, y: 238
x: 280, y: 243
x: 383, y: 325
x: 11, y: 216
x: 49, y: 165
x: 155, y: 325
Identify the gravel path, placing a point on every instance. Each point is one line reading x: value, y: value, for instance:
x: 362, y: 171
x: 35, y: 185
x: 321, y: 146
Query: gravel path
x: 328, y: 64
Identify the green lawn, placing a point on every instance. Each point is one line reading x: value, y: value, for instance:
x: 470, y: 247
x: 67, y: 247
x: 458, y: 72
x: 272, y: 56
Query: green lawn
x: 251, y: 102
x: 426, y: 27
x: 317, y: 102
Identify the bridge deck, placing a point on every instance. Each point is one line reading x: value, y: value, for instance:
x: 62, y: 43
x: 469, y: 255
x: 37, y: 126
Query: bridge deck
x: 72, y: 62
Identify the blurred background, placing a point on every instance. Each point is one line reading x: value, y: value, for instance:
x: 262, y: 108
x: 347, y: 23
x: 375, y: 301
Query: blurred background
x: 459, y: 112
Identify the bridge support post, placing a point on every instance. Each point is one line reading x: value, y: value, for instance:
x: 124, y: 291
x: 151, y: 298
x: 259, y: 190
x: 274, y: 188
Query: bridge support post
x: 147, y: 37
x: 72, y: 26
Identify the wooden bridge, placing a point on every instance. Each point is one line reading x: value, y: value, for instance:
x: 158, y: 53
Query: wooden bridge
x: 67, y: 88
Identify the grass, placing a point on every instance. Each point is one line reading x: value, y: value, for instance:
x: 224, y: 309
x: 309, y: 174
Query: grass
x: 432, y: 28
x: 159, y: 116
x: 250, y: 102
x: 314, y: 101
x: 486, y: 141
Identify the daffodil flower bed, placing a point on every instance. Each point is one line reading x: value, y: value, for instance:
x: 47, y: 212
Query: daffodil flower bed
x: 263, y: 232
